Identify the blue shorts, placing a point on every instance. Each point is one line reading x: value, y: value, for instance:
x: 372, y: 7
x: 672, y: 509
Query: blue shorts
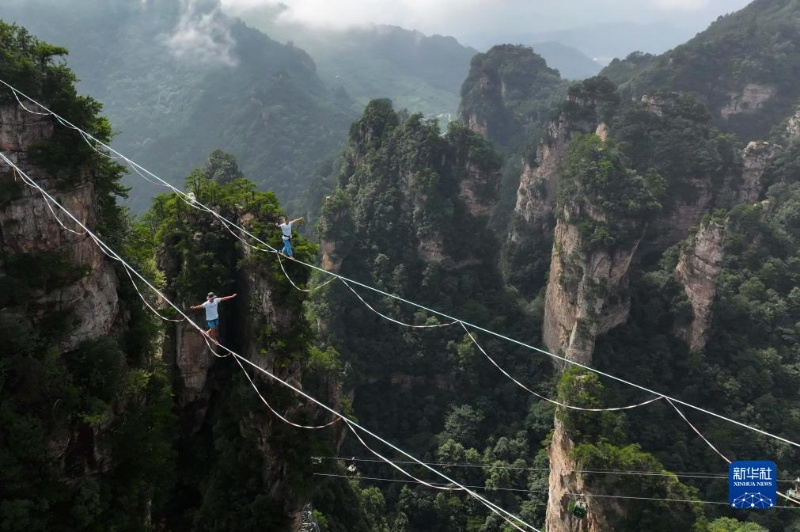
x: 212, y: 323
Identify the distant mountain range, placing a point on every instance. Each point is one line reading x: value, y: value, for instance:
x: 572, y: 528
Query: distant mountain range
x: 746, y: 66
x: 604, y: 42
x: 416, y: 71
x: 569, y: 61
x: 180, y: 83
x: 180, y: 80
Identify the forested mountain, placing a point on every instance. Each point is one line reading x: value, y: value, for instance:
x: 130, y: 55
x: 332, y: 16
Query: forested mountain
x: 509, y: 94
x: 87, y: 420
x: 746, y: 66
x: 645, y: 242
x: 112, y: 417
x: 417, y: 72
x: 410, y: 215
x: 617, y: 227
x: 182, y: 79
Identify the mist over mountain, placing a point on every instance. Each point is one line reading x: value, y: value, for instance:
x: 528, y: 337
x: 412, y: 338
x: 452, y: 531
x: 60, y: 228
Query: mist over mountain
x: 175, y: 69
x: 485, y: 23
x: 569, y: 61
x: 418, y: 72
x: 181, y: 79
x: 578, y: 301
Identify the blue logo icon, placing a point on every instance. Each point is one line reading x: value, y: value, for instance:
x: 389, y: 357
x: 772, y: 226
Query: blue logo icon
x: 752, y: 485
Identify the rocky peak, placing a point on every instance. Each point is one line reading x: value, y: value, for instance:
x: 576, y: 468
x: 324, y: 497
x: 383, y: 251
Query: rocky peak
x: 407, y: 192
x: 596, y: 238
x: 697, y: 270
x: 533, y: 221
x: 507, y: 90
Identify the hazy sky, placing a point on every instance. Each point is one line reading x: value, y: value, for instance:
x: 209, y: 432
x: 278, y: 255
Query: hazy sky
x: 483, y: 22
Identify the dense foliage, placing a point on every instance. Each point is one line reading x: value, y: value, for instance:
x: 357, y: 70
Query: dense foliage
x: 90, y: 439
x: 746, y: 66
x: 399, y: 221
x: 238, y: 466
x: 602, y: 197
x: 752, y: 341
x: 510, y: 92
x: 85, y: 434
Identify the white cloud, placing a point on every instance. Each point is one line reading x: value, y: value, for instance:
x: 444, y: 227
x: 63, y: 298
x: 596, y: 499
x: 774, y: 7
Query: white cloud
x: 202, y: 34
x: 347, y: 13
x: 483, y: 22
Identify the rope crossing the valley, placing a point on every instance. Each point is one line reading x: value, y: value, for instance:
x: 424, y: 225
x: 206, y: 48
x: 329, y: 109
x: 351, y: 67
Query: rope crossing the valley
x: 701, y: 476
x: 508, y: 517
x: 780, y: 494
x: 383, y: 293
x: 544, y: 398
x: 520, y: 490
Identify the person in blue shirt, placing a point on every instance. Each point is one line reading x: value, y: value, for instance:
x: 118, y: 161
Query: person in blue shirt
x: 286, y: 233
x: 212, y: 313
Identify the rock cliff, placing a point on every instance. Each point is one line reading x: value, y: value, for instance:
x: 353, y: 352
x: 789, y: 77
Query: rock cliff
x: 526, y: 252
x: 27, y: 226
x: 265, y: 324
x: 697, y: 271
x: 77, y: 379
x: 594, y: 244
x: 585, y: 295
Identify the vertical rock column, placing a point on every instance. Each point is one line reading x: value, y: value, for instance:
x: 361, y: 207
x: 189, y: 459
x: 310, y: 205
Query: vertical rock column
x: 697, y: 271
x: 602, y: 213
x: 585, y: 298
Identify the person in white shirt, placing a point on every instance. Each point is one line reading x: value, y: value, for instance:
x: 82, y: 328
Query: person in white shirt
x: 212, y: 313
x: 286, y: 233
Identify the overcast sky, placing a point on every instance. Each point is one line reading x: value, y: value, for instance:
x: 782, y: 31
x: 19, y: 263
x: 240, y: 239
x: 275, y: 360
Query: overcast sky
x: 483, y: 22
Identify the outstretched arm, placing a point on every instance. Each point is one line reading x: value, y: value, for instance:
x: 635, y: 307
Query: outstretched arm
x: 296, y: 220
x: 196, y: 307
x: 227, y: 297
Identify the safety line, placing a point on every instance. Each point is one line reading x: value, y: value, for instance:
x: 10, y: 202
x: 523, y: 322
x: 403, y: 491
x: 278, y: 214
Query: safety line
x: 521, y: 490
x: 698, y: 432
x: 389, y: 318
x: 505, y: 515
x: 544, y: 398
x: 278, y: 414
x: 781, y: 494
x: 286, y: 274
x: 599, y: 496
x: 432, y: 311
x: 403, y: 471
x: 145, y: 301
x: 47, y: 203
x: 108, y: 251
x: 189, y: 200
x: 701, y: 476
